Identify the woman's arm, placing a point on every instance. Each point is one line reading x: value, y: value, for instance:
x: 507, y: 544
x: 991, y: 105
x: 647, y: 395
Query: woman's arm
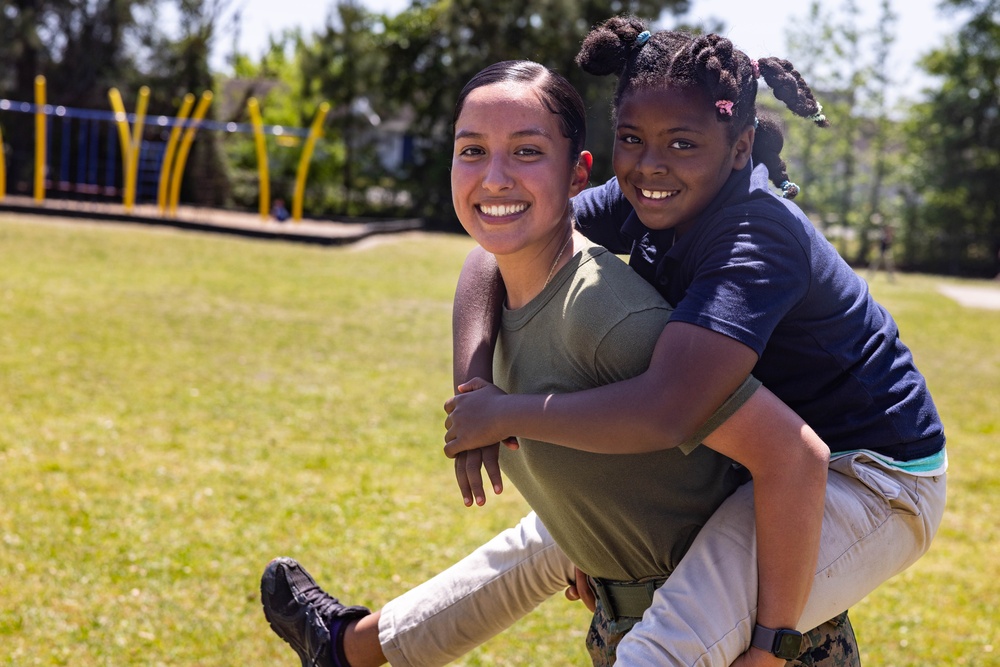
x: 479, y: 296
x: 691, y: 373
x: 789, y: 463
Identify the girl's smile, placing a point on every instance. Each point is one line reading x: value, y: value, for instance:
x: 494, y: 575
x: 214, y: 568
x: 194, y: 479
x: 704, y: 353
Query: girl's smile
x: 673, y: 155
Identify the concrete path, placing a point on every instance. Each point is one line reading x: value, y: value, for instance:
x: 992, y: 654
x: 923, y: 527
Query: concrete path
x: 973, y: 297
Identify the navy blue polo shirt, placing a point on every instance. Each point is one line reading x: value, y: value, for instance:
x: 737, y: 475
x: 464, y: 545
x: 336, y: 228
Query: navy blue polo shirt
x: 754, y: 268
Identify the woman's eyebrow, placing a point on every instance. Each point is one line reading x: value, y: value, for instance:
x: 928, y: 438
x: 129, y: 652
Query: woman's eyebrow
x: 528, y: 132
x: 531, y: 132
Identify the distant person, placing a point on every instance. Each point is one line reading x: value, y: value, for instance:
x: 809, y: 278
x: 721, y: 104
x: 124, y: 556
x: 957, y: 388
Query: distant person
x: 884, y: 255
x: 278, y: 210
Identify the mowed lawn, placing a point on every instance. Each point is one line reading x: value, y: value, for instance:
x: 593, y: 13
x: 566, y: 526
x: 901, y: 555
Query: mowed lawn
x: 178, y: 408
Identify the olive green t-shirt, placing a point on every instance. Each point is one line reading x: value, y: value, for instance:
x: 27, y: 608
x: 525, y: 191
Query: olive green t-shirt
x: 617, y: 516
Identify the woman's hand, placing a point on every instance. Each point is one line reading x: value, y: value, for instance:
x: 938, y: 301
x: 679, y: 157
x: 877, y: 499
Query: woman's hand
x: 468, y: 472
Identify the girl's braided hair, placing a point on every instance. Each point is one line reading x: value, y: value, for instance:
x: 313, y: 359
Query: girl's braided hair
x: 622, y: 46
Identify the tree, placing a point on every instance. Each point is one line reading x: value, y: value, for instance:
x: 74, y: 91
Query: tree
x: 339, y: 66
x: 180, y: 65
x: 845, y: 169
x: 956, y: 134
x: 879, y: 131
x: 81, y: 48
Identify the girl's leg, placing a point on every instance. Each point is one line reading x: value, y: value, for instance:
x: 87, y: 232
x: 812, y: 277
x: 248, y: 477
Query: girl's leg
x: 475, y: 599
x: 876, y: 523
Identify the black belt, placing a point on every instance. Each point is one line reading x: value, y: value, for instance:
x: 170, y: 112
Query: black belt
x: 625, y: 599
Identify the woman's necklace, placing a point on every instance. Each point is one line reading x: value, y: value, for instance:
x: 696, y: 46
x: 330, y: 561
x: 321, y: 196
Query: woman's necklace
x: 558, y: 257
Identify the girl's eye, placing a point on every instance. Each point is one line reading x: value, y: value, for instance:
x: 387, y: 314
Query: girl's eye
x: 681, y: 144
x: 629, y: 139
x: 471, y: 151
x: 527, y: 152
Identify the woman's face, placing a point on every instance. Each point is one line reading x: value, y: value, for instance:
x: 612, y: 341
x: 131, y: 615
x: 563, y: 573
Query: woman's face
x: 511, y: 177
x: 672, y: 155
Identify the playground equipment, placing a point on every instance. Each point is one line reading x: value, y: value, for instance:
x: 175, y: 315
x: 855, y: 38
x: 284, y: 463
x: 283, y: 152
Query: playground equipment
x: 130, y: 147
x: 40, y: 140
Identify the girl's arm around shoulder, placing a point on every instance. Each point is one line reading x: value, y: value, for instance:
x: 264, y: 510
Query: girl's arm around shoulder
x: 692, y: 372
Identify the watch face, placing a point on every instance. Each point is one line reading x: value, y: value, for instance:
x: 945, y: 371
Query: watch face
x: 788, y: 644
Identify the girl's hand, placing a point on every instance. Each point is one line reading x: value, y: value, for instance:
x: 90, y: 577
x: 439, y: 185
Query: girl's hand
x: 473, y: 415
x: 754, y: 657
x: 579, y: 589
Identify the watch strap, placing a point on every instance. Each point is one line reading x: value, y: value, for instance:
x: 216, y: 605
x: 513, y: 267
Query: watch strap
x: 782, y: 642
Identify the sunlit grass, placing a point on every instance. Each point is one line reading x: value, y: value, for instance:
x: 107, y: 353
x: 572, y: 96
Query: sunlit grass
x: 176, y: 409
x: 943, y: 610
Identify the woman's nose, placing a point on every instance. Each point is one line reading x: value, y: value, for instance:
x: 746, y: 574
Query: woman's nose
x: 497, y: 175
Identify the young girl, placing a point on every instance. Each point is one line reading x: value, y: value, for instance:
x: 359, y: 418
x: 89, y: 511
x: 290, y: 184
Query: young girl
x: 755, y: 288
x: 575, y: 317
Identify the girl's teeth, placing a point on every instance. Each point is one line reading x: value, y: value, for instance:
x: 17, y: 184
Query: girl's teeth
x: 656, y: 194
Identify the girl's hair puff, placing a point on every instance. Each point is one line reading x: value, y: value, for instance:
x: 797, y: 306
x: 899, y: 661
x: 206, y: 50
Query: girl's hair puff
x: 710, y: 63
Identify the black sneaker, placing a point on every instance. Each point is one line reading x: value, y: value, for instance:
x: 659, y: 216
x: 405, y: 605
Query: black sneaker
x: 302, y: 614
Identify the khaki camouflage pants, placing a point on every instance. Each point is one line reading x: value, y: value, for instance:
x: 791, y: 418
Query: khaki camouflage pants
x: 830, y: 645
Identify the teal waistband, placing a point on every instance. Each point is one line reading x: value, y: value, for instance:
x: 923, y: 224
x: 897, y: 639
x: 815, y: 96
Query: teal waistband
x: 935, y: 464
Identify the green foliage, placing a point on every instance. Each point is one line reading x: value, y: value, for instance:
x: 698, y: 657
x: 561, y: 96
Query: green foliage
x: 955, y: 141
x: 81, y: 48
x: 275, y: 81
x: 844, y: 170
x: 178, y: 408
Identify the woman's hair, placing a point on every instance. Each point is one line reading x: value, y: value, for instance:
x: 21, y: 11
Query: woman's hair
x: 558, y: 95
x: 622, y: 46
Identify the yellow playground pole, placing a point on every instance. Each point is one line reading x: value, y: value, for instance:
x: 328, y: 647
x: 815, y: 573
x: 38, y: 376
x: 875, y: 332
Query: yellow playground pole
x: 40, y: 139
x: 3, y: 169
x: 121, y: 120
x: 168, y: 154
x: 134, y: 146
x: 185, y: 147
x: 300, y: 178
x: 261, y: 143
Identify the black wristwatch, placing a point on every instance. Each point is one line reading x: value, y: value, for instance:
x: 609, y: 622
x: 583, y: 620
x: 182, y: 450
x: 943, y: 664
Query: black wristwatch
x: 783, y: 643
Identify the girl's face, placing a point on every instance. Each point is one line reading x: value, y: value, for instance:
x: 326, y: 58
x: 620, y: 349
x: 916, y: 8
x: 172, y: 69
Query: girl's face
x: 511, y: 177
x: 672, y: 155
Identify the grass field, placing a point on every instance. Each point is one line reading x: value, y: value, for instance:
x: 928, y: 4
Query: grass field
x: 176, y: 409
